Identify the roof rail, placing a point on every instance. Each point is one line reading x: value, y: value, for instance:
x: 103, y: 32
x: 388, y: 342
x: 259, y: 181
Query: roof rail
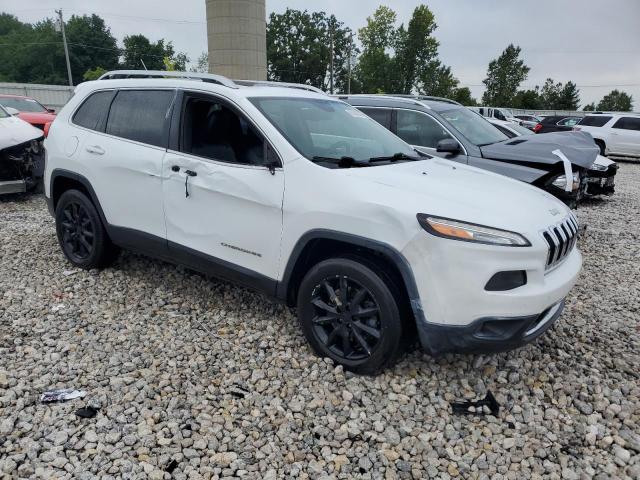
x: 203, y: 77
x: 429, y: 97
x: 407, y: 99
x: 266, y: 83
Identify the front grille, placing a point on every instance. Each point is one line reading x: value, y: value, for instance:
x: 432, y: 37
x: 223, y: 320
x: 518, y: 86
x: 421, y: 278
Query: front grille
x: 561, y: 239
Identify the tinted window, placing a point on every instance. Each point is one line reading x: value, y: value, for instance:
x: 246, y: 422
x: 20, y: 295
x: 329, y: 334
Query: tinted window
x: 22, y: 104
x: 93, y: 110
x: 568, y: 122
x: 628, y: 123
x: 327, y: 128
x: 212, y: 130
x: 475, y: 128
x: 507, y: 132
x: 380, y: 115
x: 141, y: 115
x: 417, y: 128
x: 595, y: 120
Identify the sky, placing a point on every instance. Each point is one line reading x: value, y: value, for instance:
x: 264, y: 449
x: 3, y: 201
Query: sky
x: 594, y: 43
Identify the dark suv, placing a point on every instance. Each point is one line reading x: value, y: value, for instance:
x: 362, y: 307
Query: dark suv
x: 457, y: 133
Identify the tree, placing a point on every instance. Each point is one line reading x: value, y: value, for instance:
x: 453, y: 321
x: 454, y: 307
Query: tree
x: 437, y: 80
x: 591, y: 107
x: 556, y: 96
x: 569, y: 97
x: 202, y: 65
x: 504, y: 76
x: 140, y: 52
x: 527, y: 99
x: 94, y: 74
x: 616, y: 101
x: 463, y: 96
x: 299, y: 48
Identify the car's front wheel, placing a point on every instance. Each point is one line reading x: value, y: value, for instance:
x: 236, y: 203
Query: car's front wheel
x: 81, y: 234
x: 350, y: 313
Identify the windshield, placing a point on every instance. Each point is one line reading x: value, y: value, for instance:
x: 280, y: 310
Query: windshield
x: 22, y: 104
x: 475, y: 128
x: 327, y: 128
x: 3, y: 113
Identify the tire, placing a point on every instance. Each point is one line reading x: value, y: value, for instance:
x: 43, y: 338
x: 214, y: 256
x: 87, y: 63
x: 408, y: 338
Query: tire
x: 362, y: 342
x: 602, y: 147
x: 81, y: 234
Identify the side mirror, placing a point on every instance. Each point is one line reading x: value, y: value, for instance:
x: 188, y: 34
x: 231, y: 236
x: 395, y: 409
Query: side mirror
x: 11, y: 111
x: 448, y: 145
x: 51, y: 110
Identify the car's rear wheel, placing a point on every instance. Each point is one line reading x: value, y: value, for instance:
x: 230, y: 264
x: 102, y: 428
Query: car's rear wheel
x: 350, y: 313
x: 81, y: 234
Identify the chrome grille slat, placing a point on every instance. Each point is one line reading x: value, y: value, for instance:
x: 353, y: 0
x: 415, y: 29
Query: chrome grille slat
x: 561, y: 238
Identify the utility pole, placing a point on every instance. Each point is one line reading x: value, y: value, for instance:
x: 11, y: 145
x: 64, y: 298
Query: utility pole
x: 66, y: 49
x: 331, y: 64
x: 349, y: 65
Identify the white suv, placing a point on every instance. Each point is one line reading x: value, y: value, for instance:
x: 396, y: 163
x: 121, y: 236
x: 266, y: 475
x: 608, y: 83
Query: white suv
x: 617, y: 134
x: 306, y: 199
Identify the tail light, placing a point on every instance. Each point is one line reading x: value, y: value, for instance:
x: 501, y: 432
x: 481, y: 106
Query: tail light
x: 537, y: 128
x: 47, y: 126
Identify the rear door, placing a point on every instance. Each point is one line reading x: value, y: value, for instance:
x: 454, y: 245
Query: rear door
x: 625, y: 136
x: 223, y: 192
x: 123, y: 153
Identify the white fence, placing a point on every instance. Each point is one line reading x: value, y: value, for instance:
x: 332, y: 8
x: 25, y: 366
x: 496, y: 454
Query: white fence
x: 51, y: 96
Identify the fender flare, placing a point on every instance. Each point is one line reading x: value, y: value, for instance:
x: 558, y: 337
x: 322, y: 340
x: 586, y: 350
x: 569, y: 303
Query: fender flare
x: 385, y: 249
x: 62, y: 173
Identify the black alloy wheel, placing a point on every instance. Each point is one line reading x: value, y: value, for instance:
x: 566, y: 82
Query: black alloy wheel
x: 346, y: 317
x: 77, y: 232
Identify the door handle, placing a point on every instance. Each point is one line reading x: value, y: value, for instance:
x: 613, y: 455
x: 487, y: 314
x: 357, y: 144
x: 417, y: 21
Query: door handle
x: 191, y: 173
x: 175, y: 168
x: 96, y: 149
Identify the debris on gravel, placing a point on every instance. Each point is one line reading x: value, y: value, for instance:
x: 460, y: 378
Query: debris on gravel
x: 196, y: 378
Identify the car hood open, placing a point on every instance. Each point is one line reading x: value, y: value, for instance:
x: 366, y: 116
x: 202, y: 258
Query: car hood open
x: 14, y: 131
x: 578, y: 147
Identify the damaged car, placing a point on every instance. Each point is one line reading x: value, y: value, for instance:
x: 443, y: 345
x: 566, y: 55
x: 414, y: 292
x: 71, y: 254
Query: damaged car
x: 556, y: 164
x: 21, y: 155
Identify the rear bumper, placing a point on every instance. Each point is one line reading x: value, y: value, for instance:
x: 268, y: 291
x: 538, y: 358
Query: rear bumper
x: 489, y: 334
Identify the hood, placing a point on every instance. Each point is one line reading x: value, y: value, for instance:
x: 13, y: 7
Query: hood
x: 448, y: 189
x: 37, y: 117
x: 14, y: 131
x: 578, y: 147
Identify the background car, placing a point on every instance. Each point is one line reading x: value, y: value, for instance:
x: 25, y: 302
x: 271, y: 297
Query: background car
x: 29, y: 110
x: 510, y: 129
x: 615, y: 134
x: 528, y: 121
x: 556, y: 123
x: 497, y: 113
x: 461, y: 134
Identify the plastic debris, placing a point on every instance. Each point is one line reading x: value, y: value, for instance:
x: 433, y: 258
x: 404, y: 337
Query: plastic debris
x: 61, y: 395
x: 87, y: 412
x: 488, y: 404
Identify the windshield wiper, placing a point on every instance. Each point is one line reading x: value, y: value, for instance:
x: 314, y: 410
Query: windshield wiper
x: 393, y: 158
x: 342, y: 162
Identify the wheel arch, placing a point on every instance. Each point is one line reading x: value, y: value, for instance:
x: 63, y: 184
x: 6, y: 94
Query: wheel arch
x: 317, y: 245
x: 63, y: 180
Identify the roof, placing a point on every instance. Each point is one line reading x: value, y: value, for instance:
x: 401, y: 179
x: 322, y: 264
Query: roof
x: 398, y: 102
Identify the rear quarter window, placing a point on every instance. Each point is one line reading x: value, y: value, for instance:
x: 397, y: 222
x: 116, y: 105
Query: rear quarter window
x: 628, y: 123
x: 380, y: 115
x: 141, y: 115
x: 93, y: 110
x: 595, y: 120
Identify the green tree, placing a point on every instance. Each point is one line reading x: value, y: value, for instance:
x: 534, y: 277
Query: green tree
x: 590, y: 107
x: 504, y: 76
x: 94, y: 74
x: 299, y: 48
x: 463, y: 95
x: 569, y: 97
x: 527, y: 99
x: 556, y: 96
x: 616, y: 101
x: 202, y: 65
x: 139, y: 52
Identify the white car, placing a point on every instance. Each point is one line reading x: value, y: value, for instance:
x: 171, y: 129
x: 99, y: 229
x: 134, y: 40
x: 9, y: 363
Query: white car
x: 497, y: 113
x: 510, y: 129
x: 305, y: 198
x: 21, y: 154
x: 617, y: 134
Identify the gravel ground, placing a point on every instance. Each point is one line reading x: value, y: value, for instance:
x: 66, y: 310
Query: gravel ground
x: 209, y: 380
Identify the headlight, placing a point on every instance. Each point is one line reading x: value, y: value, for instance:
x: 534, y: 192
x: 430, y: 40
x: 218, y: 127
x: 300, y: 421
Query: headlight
x: 561, y: 181
x: 470, y: 232
x: 597, y: 166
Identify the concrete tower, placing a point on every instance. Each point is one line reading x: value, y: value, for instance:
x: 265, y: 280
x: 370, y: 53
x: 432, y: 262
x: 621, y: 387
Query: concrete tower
x: 237, y: 37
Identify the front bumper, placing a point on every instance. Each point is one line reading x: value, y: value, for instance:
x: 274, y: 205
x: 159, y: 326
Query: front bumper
x: 490, y: 334
x: 601, y: 182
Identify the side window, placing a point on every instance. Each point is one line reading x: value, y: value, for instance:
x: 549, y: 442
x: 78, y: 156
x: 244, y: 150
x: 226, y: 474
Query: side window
x: 506, y: 131
x: 380, y: 115
x: 417, y: 128
x: 93, y: 110
x: 628, y: 123
x: 595, y: 120
x: 141, y: 115
x: 499, y: 115
x: 212, y: 130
